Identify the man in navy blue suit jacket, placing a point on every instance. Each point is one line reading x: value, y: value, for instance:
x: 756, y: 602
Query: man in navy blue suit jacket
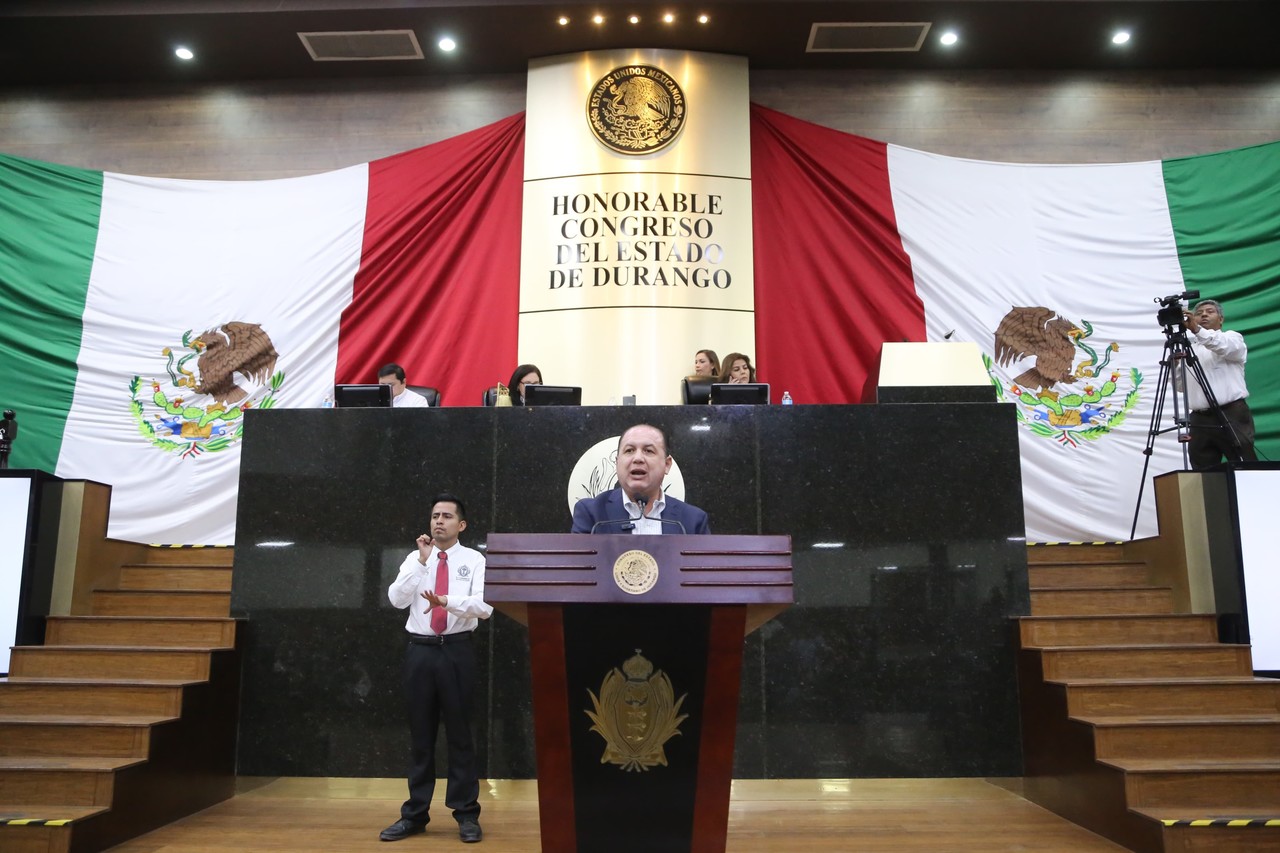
x: 639, y: 505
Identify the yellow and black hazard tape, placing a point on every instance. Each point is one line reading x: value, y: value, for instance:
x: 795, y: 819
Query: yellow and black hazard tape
x: 211, y: 547
x: 33, y: 821
x: 1226, y: 821
x: 1045, y: 544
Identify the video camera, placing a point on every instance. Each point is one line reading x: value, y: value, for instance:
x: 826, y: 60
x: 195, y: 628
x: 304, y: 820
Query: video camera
x: 1170, y: 313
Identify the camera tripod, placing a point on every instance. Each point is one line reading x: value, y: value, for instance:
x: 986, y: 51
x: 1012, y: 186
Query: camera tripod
x: 1179, y: 356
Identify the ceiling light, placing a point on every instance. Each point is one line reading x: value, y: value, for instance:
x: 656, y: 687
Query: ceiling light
x: 635, y: 19
x: 562, y: 21
x: 702, y: 19
x: 446, y: 44
x: 949, y: 38
x: 184, y: 53
x: 668, y: 18
x: 598, y: 19
x: 1121, y: 37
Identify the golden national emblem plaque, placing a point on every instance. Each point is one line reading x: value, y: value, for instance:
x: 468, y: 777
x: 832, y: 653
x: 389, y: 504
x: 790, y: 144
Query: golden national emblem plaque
x: 635, y: 572
x: 636, y: 109
x: 636, y: 713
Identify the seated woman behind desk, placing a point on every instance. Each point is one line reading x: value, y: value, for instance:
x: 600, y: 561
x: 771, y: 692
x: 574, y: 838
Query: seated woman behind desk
x: 737, y: 369
x: 525, y: 374
x: 706, y: 364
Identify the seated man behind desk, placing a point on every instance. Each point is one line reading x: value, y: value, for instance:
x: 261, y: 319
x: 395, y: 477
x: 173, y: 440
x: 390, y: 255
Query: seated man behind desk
x: 639, y: 505
x: 401, y: 396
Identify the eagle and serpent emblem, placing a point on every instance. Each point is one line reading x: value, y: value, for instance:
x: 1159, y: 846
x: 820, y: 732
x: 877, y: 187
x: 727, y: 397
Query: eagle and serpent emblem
x: 1058, y: 396
x: 636, y: 109
x: 212, y: 379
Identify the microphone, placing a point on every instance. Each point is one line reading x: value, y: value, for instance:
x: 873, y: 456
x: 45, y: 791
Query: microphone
x: 642, y: 500
x: 625, y: 524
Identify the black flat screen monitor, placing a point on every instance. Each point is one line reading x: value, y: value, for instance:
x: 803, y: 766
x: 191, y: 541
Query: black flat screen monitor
x: 355, y: 396
x: 750, y: 394
x: 552, y: 395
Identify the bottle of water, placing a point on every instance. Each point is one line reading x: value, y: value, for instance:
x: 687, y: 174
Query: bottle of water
x: 786, y: 399
x: 328, y: 403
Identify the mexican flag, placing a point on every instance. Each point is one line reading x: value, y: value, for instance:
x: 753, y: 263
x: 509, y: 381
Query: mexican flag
x: 139, y: 317
x: 142, y: 317
x: 1053, y: 270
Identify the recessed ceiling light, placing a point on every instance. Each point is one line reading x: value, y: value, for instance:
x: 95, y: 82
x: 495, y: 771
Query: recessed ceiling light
x: 668, y: 18
x: 949, y: 38
x: 635, y: 19
x: 446, y: 44
x: 184, y: 53
x: 598, y: 19
x: 702, y: 19
x: 562, y: 21
x: 1121, y: 37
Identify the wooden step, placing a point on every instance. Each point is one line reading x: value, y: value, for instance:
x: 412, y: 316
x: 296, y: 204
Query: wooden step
x: 1088, y: 575
x: 114, y: 602
x: 180, y: 577
x: 1213, y: 831
x: 1244, y: 784
x: 211, y: 555
x: 88, y: 781
x: 43, y: 828
x: 1110, y: 553
x: 1138, y: 630
x: 125, y: 736
x: 1100, y: 601
x: 196, y: 632
x: 1146, y: 661
x: 1170, y: 697
x: 110, y: 662
x: 90, y: 696
x: 1206, y: 737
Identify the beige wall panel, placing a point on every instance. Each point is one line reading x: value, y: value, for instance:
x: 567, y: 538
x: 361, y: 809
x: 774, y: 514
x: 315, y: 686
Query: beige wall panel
x: 616, y: 292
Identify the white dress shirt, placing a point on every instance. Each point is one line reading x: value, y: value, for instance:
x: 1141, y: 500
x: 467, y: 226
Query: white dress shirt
x: 409, y: 399
x: 651, y: 522
x: 1223, y: 356
x: 464, y: 602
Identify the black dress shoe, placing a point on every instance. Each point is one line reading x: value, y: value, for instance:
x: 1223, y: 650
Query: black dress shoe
x: 469, y: 830
x: 402, y: 828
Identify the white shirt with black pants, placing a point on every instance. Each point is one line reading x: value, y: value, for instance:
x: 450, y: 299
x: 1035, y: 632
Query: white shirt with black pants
x: 439, y: 678
x: 1222, y: 356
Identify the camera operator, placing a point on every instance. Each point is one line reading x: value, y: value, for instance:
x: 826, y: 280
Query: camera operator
x: 8, y: 432
x: 1222, y: 355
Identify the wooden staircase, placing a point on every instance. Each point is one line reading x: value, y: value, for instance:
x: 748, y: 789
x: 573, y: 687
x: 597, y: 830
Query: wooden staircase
x: 125, y: 719
x: 1137, y: 723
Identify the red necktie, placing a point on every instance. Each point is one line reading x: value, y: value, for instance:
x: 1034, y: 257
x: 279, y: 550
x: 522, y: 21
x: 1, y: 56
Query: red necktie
x: 439, y: 618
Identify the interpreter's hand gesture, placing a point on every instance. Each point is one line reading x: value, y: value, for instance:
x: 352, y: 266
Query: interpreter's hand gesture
x: 424, y: 548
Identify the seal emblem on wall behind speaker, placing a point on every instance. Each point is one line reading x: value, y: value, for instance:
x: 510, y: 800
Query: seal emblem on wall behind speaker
x: 636, y: 109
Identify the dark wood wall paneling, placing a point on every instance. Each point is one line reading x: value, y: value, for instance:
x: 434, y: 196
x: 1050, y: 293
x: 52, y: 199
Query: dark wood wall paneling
x: 283, y: 129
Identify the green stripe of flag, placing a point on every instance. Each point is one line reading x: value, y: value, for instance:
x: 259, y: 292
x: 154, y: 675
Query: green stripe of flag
x: 1225, y: 210
x: 48, y: 230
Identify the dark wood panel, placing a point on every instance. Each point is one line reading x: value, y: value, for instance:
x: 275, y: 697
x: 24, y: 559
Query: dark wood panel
x: 283, y: 129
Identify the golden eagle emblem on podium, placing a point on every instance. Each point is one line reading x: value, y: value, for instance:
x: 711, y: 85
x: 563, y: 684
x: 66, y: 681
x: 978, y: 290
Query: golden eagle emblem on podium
x: 636, y: 714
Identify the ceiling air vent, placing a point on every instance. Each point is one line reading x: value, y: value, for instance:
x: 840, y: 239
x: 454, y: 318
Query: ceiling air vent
x: 366, y: 46
x: 867, y: 37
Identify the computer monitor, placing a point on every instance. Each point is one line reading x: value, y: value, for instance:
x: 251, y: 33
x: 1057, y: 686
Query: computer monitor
x: 552, y: 395
x: 355, y: 396
x: 750, y: 394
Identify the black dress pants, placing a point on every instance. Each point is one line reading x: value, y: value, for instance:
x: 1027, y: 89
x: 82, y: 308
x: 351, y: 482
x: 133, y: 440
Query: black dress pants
x: 1210, y: 443
x: 439, y: 682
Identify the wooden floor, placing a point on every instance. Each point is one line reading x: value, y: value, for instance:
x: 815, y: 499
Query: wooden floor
x: 290, y: 815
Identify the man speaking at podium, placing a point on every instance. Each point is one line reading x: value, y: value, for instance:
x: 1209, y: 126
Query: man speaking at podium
x: 639, y: 505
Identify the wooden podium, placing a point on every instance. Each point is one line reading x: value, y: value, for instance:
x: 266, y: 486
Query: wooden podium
x: 636, y: 654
